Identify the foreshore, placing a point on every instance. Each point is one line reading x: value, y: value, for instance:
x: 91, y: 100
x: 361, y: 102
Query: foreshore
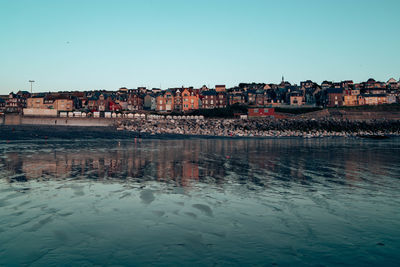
x: 306, y: 128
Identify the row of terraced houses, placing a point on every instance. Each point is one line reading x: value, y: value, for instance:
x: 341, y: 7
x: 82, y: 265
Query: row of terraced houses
x: 185, y: 99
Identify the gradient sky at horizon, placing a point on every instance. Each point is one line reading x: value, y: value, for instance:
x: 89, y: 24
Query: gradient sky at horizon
x: 88, y: 45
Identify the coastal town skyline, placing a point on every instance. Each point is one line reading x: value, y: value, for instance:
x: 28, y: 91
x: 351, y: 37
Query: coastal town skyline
x: 32, y: 85
x: 258, y: 97
x: 104, y: 44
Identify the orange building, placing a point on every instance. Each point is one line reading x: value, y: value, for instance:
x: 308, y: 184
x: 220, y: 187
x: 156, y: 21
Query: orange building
x: 184, y: 99
x: 165, y: 102
x: 190, y: 100
x: 350, y: 100
x: 296, y: 100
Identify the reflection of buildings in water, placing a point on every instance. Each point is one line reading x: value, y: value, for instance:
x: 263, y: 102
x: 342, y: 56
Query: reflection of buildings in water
x: 39, y: 169
x: 184, y: 161
x: 178, y: 161
x: 157, y: 161
x: 11, y: 163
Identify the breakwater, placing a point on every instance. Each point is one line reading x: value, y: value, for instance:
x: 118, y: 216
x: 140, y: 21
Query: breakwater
x: 351, y: 114
x: 264, y: 127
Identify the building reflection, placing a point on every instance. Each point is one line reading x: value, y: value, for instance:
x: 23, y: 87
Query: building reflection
x: 184, y: 162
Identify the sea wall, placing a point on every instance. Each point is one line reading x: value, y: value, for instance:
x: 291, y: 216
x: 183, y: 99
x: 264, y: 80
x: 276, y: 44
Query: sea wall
x: 351, y: 115
x: 266, y: 127
x: 12, y: 119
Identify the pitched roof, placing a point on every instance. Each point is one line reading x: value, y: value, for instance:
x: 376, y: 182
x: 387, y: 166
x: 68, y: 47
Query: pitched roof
x: 334, y: 90
x: 209, y: 92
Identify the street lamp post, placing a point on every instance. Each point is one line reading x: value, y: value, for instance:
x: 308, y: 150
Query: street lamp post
x: 31, y: 81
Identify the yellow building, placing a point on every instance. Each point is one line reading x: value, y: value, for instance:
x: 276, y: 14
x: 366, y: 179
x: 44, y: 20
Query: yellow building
x: 350, y: 100
x: 63, y: 104
x: 375, y: 99
x: 60, y: 104
x: 35, y: 102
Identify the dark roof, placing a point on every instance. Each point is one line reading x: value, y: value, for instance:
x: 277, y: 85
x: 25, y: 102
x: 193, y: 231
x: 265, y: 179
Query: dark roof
x: 326, y: 82
x: 296, y: 93
x: 39, y: 95
x: 209, y: 92
x: 24, y: 92
x: 265, y: 106
x: 334, y: 90
x: 251, y: 91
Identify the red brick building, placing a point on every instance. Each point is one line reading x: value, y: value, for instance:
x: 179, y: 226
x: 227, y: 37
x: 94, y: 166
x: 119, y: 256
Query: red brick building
x: 209, y: 99
x: 260, y: 112
x: 221, y: 100
x: 135, y: 101
x: 334, y: 97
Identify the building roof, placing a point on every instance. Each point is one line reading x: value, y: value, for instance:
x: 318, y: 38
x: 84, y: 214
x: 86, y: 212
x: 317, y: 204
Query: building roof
x: 23, y: 92
x: 296, y: 93
x: 209, y: 92
x: 334, y: 90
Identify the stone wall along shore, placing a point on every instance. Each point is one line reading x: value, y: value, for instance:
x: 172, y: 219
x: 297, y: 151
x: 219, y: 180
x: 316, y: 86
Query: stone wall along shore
x: 264, y: 127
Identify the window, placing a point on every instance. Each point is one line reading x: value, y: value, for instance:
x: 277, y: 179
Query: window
x: 255, y: 110
x: 265, y: 110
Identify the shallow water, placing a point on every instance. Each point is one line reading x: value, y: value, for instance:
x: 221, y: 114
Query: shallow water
x: 200, y: 202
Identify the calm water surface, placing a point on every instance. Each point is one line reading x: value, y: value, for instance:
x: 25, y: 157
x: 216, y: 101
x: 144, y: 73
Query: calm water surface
x: 200, y: 202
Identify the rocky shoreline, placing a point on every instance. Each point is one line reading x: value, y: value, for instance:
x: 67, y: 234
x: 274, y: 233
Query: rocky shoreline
x: 306, y: 128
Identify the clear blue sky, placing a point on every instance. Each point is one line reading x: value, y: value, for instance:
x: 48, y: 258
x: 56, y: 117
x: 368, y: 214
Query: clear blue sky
x: 86, y: 45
